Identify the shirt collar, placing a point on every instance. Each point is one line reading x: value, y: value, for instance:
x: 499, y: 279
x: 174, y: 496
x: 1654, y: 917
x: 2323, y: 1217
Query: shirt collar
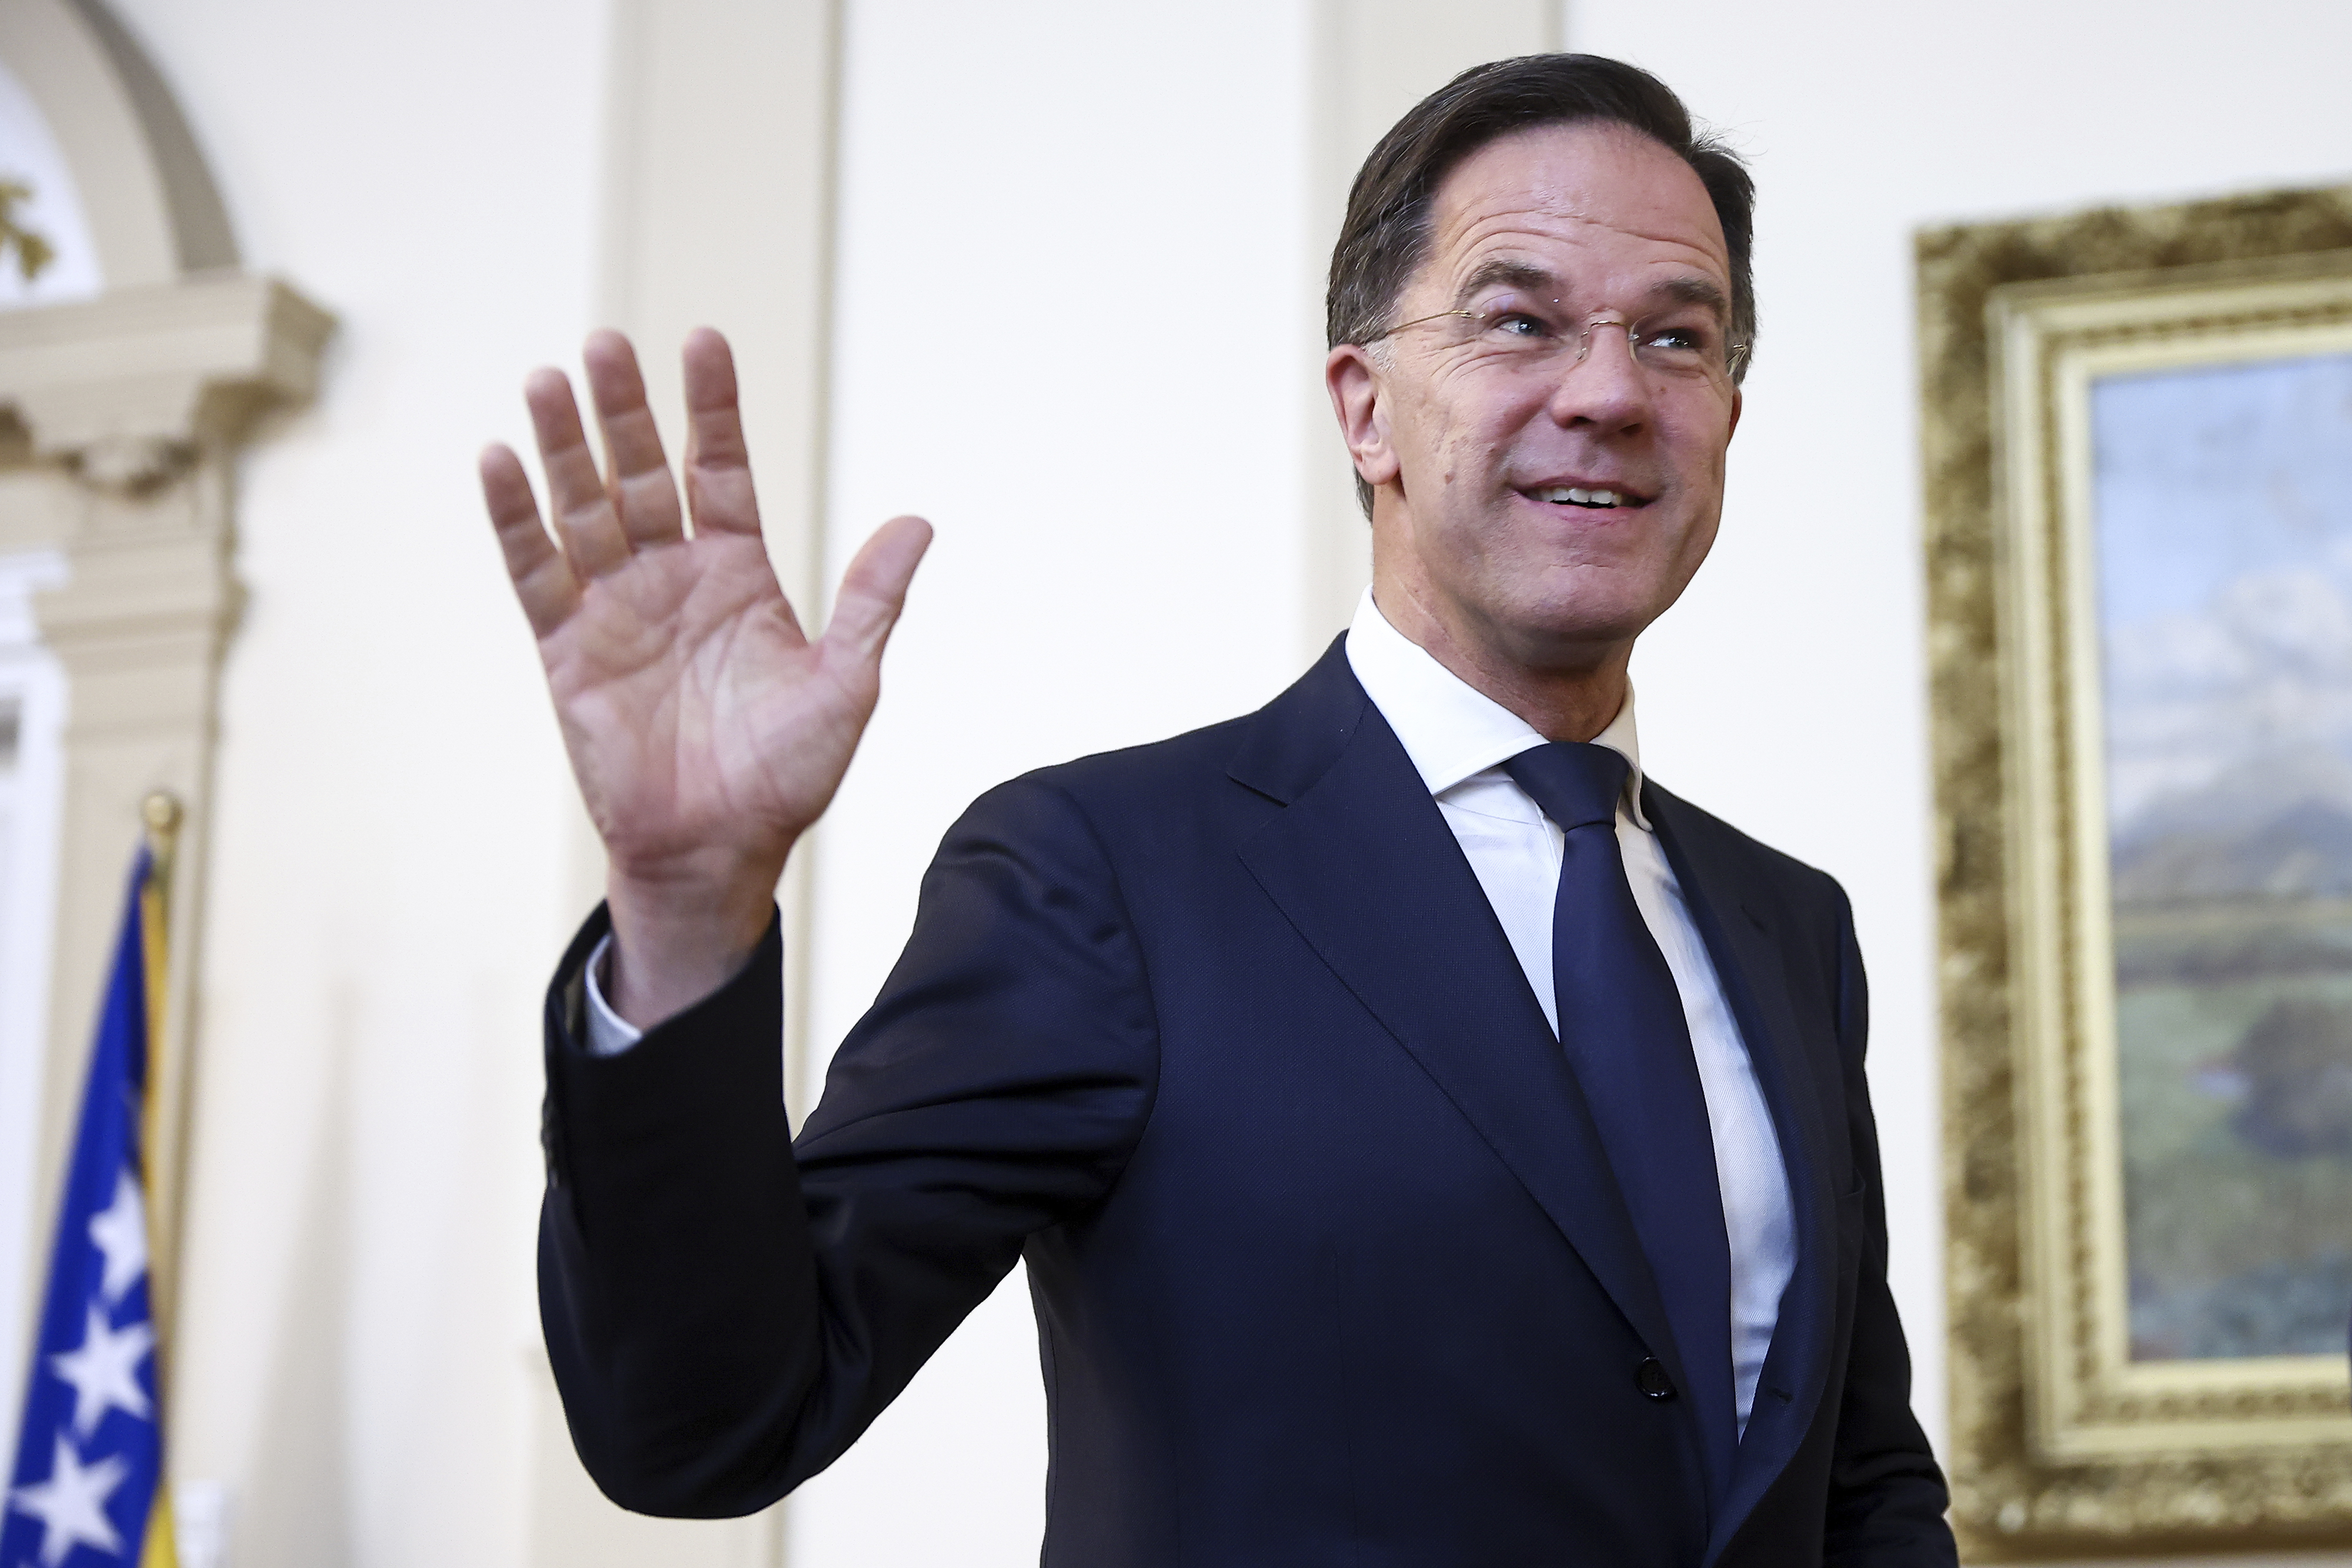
x: 1451, y: 730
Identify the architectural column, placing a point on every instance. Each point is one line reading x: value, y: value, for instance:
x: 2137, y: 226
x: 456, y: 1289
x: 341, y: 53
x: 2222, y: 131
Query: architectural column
x: 130, y: 408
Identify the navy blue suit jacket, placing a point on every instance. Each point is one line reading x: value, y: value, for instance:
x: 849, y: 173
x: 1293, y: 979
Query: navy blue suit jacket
x: 1222, y: 1036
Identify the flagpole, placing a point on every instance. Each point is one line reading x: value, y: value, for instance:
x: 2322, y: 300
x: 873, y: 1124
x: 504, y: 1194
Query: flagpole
x: 161, y: 811
x: 162, y: 815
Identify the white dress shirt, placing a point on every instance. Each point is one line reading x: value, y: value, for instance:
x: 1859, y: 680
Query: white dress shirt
x: 1458, y: 739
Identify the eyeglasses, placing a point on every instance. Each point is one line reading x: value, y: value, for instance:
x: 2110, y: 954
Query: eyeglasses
x: 1536, y: 338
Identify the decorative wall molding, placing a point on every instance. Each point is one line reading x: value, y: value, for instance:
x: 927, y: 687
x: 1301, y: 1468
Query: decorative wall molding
x: 128, y: 387
x: 153, y: 211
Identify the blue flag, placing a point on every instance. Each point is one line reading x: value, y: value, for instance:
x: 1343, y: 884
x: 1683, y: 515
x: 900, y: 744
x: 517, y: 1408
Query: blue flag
x: 88, y: 1486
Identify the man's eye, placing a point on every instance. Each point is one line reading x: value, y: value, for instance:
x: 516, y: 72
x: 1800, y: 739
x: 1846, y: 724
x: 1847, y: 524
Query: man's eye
x: 1519, y: 325
x: 1678, y: 339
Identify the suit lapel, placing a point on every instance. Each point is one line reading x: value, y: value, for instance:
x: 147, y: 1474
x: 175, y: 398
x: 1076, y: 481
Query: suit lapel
x: 1753, y: 967
x: 1364, y: 866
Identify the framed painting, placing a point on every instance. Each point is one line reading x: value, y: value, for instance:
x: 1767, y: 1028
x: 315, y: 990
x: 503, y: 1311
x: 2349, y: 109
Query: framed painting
x: 2138, y: 441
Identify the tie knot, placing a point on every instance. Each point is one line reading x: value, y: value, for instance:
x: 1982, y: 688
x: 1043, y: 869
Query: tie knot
x: 1575, y: 782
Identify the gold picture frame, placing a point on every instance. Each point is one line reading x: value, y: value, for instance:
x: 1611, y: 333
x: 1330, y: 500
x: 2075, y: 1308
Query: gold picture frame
x: 2095, y: 1406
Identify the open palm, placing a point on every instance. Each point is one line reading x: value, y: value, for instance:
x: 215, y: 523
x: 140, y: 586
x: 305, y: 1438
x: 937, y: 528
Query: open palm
x: 706, y: 729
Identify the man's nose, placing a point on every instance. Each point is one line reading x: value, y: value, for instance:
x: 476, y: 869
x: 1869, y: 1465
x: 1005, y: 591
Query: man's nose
x: 1603, y: 384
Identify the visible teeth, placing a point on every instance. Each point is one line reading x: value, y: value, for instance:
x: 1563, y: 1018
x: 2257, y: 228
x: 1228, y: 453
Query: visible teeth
x: 1563, y: 493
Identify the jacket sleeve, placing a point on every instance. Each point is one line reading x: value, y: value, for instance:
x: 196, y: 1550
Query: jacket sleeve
x: 1887, y: 1497
x: 725, y: 1312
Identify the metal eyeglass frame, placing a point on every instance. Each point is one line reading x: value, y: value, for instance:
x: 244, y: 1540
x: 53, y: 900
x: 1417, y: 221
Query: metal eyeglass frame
x: 1734, y: 357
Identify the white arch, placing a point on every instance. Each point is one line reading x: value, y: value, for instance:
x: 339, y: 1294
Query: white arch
x: 151, y: 204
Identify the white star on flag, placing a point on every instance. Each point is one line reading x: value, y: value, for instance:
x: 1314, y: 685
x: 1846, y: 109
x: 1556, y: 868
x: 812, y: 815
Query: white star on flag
x: 71, y: 1505
x: 122, y: 1234
x: 104, y: 1371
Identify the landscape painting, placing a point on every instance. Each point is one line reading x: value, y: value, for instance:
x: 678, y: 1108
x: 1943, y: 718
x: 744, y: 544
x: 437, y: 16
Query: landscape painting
x: 2222, y: 498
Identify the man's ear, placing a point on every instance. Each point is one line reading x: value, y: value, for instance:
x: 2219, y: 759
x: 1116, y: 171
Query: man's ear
x: 1361, y: 401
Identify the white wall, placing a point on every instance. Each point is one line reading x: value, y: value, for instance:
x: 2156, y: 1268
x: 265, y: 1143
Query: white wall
x: 354, y: 1360
x: 1066, y: 332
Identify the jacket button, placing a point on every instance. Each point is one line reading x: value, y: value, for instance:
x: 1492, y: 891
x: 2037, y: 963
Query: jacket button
x: 1651, y: 1379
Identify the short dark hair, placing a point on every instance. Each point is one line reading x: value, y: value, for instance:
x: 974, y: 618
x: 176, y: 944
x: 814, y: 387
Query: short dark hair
x: 1385, y: 237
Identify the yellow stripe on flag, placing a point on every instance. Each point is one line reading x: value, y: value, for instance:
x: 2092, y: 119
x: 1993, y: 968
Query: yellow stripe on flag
x: 159, y: 1550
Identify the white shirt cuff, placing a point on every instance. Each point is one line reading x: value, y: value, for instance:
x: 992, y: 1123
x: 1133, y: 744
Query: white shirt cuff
x: 609, y: 1033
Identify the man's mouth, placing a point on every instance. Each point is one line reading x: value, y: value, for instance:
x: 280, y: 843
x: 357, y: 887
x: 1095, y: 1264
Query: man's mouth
x: 1594, y: 499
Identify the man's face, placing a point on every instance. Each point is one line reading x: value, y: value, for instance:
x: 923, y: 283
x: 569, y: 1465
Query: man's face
x: 1473, y: 429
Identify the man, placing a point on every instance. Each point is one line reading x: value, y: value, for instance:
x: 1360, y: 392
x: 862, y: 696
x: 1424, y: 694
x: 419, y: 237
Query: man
x: 1431, y: 1141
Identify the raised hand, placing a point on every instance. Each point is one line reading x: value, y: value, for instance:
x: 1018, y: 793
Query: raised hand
x: 707, y: 730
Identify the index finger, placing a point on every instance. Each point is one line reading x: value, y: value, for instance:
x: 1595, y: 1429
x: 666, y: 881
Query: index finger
x: 542, y: 580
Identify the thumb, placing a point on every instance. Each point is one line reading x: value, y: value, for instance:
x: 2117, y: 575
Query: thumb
x: 874, y: 589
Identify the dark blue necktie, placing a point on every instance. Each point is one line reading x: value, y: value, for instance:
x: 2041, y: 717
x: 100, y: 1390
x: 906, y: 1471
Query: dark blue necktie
x: 1621, y: 1025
